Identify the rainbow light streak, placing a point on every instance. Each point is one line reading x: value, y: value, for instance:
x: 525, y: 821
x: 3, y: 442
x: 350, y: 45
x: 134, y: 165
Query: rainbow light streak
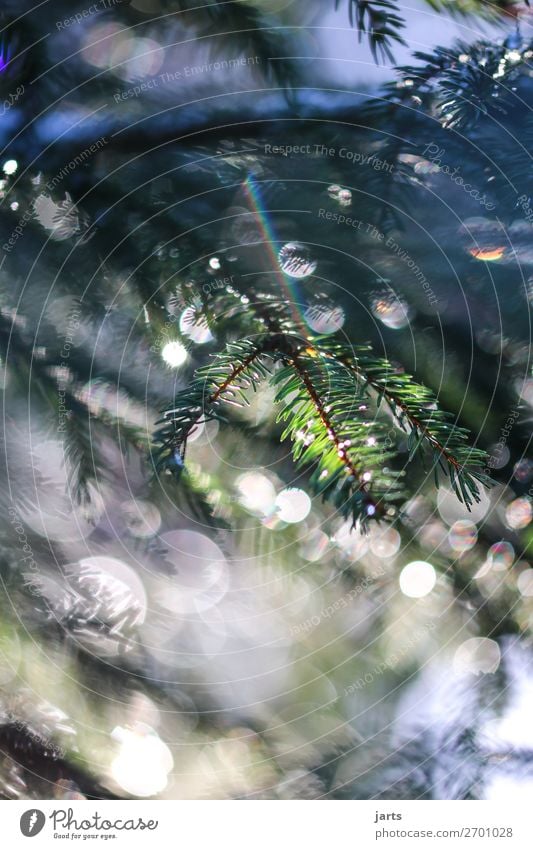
x: 287, y: 284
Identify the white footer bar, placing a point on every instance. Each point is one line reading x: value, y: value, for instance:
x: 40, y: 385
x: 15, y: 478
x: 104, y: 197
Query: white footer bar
x: 267, y: 824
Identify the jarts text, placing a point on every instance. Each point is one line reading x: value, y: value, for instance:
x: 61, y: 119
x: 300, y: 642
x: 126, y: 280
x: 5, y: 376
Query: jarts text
x: 381, y: 817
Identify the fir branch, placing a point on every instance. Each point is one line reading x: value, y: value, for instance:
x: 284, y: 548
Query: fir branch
x: 415, y: 408
x: 80, y: 453
x: 72, y: 407
x: 378, y: 19
x: 466, y: 81
x: 226, y: 381
x: 344, y: 455
x: 329, y: 425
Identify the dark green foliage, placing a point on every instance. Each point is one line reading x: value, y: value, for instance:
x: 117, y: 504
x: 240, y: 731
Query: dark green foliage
x: 325, y: 389
x: 331, y: 430
x: 379, y: 21
x: 468, y: 81
x: 223, y: 382
x: 430, y: 429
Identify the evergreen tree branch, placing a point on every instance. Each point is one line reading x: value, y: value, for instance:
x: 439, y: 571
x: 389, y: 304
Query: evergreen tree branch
x: 329, y: 425
x: 378, y: 19
x: 225, y: 381
x: 71, y: 409
x: 415, y: 408
x: 344, y: 454
x: 467, y: 81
